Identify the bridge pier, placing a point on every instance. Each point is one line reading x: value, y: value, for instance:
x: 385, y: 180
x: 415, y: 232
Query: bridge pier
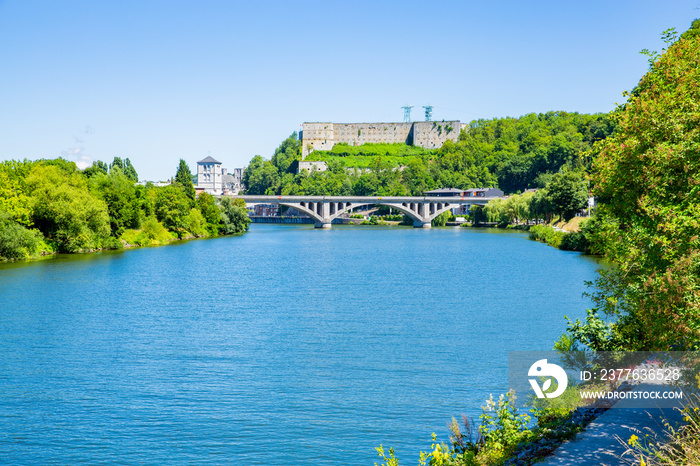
x: 322, y: 225
x: 417, y: 224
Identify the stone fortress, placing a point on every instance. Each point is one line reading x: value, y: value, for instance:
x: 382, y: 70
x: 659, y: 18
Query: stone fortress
x: 427, y: 134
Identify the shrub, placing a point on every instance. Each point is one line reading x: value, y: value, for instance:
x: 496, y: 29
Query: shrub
x: 574, y: 242
x: 16, y: 241
x: 547, y: 235
x: 152, y: 233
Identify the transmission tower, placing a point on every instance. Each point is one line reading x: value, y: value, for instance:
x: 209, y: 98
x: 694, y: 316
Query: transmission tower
x: 428, y: 112
x: 407, y: 114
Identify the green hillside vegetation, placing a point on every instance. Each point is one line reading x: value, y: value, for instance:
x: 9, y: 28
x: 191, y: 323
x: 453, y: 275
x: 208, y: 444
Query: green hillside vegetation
x: 511, y: 153
x: 51, y: 206
x: 393, y: 155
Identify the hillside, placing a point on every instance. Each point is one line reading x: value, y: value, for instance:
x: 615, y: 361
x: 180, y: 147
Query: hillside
x: 511, y: 153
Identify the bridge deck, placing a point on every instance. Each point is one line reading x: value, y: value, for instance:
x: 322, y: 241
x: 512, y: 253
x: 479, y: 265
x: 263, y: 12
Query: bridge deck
x: 367, y: 199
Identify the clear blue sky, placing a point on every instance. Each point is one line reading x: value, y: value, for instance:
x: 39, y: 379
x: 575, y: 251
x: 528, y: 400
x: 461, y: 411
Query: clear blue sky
x: 157, y: 81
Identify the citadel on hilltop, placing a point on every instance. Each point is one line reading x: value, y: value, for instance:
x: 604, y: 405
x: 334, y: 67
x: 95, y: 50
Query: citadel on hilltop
x: 427, y: 134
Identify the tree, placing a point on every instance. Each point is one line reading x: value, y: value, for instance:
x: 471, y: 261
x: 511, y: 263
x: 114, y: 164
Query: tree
x: 211, y: 213
x: 130, y: 171
x: 183, y: 178
x: 568, y: 193
x: 172, y: 206
x: 65, y: 211
x: 117, y: 163
x: 478, y: 215
x: 646, y: 177
x: 97, y: 167
x: 120, y: 195
x: 261, y: 177
x: 286, y: 154
x: 541, y: 206
x: 235, y: 216
x: 14, y: 192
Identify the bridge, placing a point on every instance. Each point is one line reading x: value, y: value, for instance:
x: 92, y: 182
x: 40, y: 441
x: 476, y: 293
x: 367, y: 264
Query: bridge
x: 324, y: 209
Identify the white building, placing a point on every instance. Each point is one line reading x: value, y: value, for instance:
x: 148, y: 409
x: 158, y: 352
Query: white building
x: 232, y: 183
x: 210, y: 176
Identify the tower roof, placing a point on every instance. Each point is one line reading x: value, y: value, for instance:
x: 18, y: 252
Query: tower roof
x: 209, y: 160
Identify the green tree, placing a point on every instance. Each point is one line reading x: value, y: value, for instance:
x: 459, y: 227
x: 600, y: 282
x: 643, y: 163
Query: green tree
x: 647, y: 178
x: 97, y: 167
x: 568, y: 193
x: 195, y: 223
x: 130, y: 171
x: 121, y: 197
x: 65, y: 211
x: 261, y: 177
x: 183, y: 178
x: 286, y: 154
x: 478, y: 215
x: 211, y: 213
x: 541, y: 206
x: 14, y: 193
x: 117, y: 163
x: 235, y: 216
x: 172, y: 206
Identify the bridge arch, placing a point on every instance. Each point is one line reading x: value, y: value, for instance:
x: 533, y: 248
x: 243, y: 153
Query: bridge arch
x: 325, y: 209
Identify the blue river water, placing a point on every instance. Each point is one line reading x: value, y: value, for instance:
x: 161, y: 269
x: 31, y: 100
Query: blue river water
x: 283, y: 346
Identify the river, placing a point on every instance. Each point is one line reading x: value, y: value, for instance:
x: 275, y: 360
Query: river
x: 283, y: 346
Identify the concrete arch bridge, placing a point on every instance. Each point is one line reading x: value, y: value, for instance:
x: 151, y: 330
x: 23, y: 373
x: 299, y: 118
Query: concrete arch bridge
x: 324, y: 209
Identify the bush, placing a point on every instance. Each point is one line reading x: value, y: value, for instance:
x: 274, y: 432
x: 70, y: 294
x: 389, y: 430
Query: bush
x: 574, y: 242
x: 152, y: 233
x: 547, y: 235
x: 16, y: 241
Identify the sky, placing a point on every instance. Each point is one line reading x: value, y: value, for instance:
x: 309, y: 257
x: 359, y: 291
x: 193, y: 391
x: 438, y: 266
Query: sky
x: 157, y: 81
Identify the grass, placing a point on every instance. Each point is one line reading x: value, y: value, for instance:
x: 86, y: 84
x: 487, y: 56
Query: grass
x: 679, y: 446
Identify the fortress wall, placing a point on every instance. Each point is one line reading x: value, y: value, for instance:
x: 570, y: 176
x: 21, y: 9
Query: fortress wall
x: 433, y: 134
x: 428, y: 134
x: 316, y: 136
x: 356, y: 134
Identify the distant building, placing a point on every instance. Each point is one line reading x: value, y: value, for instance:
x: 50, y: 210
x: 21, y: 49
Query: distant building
x: 445, y: 192
x: 210, y: 176
x: 232, y: 183
x: 454, y: 192
x: 266, y: 210
x: 215, y: 180
x: 483, y: 192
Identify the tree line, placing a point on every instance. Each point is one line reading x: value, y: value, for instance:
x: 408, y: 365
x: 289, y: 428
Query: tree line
x: 51, y: 206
